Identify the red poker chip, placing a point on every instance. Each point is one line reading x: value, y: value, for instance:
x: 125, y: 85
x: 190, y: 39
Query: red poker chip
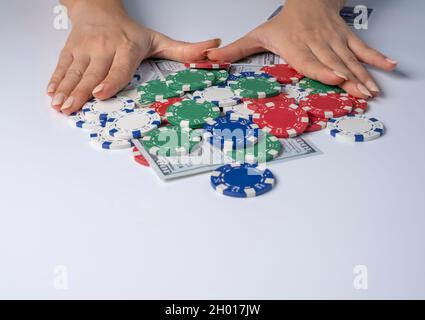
x: 254, y: 103
x: 283, y: 120
x: 207, y: 64
x: 327, y: 105
x: 161, y: 107
x: 284, y: 73
x: 316, y: 124
x: 139, y: 158
x: 360, y: 106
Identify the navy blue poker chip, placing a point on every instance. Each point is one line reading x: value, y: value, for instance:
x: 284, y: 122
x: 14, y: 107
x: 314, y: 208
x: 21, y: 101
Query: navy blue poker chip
x: 231, y: 132
x: 242, y: 180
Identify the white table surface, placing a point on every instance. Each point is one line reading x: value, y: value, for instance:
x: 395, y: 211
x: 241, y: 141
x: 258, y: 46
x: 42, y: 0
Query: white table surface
x: 123, y: 233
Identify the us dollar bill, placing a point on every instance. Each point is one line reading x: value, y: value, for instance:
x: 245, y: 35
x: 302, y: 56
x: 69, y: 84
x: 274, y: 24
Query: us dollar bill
x: 207, y: 158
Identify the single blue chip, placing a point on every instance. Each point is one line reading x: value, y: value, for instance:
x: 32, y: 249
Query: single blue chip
x: 242, y: 180
x: 246, y: 74
x: 231, y: 132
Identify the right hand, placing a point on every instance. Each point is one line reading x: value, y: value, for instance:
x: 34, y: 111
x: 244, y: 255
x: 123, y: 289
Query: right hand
x: 104, y: 49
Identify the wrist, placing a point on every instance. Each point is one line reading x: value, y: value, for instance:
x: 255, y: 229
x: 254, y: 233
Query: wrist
x: 335, y: 5
x: 77, y: 8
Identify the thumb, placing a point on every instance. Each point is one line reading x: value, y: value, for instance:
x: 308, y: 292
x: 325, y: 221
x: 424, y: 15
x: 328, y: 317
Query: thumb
x: 237, y: 50
x: 167, y: 48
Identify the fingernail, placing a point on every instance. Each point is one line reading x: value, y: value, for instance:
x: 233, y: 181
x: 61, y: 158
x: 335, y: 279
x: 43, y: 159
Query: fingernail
x: 391, y: 61
x: 341, y: 75
x: 58, y: 99
x: 219, y: 41
x: 364, y: 90
x: 68, y: 103
x: 372, y: 86
x: 98, y: 88
x: 51, y: 88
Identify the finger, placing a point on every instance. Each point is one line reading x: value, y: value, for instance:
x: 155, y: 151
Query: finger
x: 166, y: 48
x: 241, y: 48
x: 124, y: 64
x: 357, y: 69
x: 370, y: 55
x: 328, y: 57
x: 304, y: 61
x: 72, y: 77
x: 94, y: 74
x: 65, y: 60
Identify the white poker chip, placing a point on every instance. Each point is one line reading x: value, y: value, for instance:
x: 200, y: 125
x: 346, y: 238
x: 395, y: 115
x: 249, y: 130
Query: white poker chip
x: 97, y: 109
x: 355, y: 128
x: 296, y: 92
x: 239, y: 109
x: 221, y: 96
x: 102, y: 139
x: 135, y: 124
x: 77, y: 120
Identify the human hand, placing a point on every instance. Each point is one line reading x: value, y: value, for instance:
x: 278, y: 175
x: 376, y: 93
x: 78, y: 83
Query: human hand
x: 104, y: 49
x: 312, y: 37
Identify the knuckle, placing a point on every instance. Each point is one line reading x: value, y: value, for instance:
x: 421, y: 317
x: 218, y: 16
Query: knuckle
x: 121, y: 70
x: 92, y: 74
x: 74, y: 73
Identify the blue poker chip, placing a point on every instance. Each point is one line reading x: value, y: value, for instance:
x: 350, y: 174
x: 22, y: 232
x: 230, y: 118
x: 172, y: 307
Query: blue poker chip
x: 246, y: 74
x: 231, y: 132
x: 242, y: 180
x: 221, y: 95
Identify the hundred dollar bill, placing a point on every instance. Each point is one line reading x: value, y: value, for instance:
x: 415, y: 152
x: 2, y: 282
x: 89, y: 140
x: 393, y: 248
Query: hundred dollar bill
x: 208, y: 158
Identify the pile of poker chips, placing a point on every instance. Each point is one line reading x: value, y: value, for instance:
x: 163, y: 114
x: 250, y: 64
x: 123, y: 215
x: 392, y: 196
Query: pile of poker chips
x: 242, y: 115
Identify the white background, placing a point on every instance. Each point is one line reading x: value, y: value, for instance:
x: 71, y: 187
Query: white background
x: 123, y: 233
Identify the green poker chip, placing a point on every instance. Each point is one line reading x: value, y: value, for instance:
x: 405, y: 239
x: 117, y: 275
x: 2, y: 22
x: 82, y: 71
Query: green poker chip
x: 253, y: 87
x: 191, y: 79
x: 318, y: 87
x: 171, y: 141
x: 221, y: 76
x: 156, y: 90
x: 267, y: 149
x: 191, y: 113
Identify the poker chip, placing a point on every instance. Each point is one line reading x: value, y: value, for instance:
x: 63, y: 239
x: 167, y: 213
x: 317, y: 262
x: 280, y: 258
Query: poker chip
x: 134, y: 125
x: 284, y: 73
x: 161, y: 107
x: 316, y: 124
x: 221, y: 96
x: 318, y: 87
x: 284, y: 120
x: 251, y: 87
x: 102, y: 139
x: 240, y: 109
x: 191, y: 79
x: 170, y: 141
x: 96, y: 109
x: 242, y: 180
x: 191, y: 113
x: 254, y: 104
x: 327, y: 105
x: 296, y: 92
x: 207, y: 64
x: 355, y: 128
x: 139, y: 158
x: 267, y: 149
x: 157, y: 90
x: 221, y: 76
x: 248, y: 74
x: 232, y: 132
x: 360, y: 106
x: 79, y: 121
